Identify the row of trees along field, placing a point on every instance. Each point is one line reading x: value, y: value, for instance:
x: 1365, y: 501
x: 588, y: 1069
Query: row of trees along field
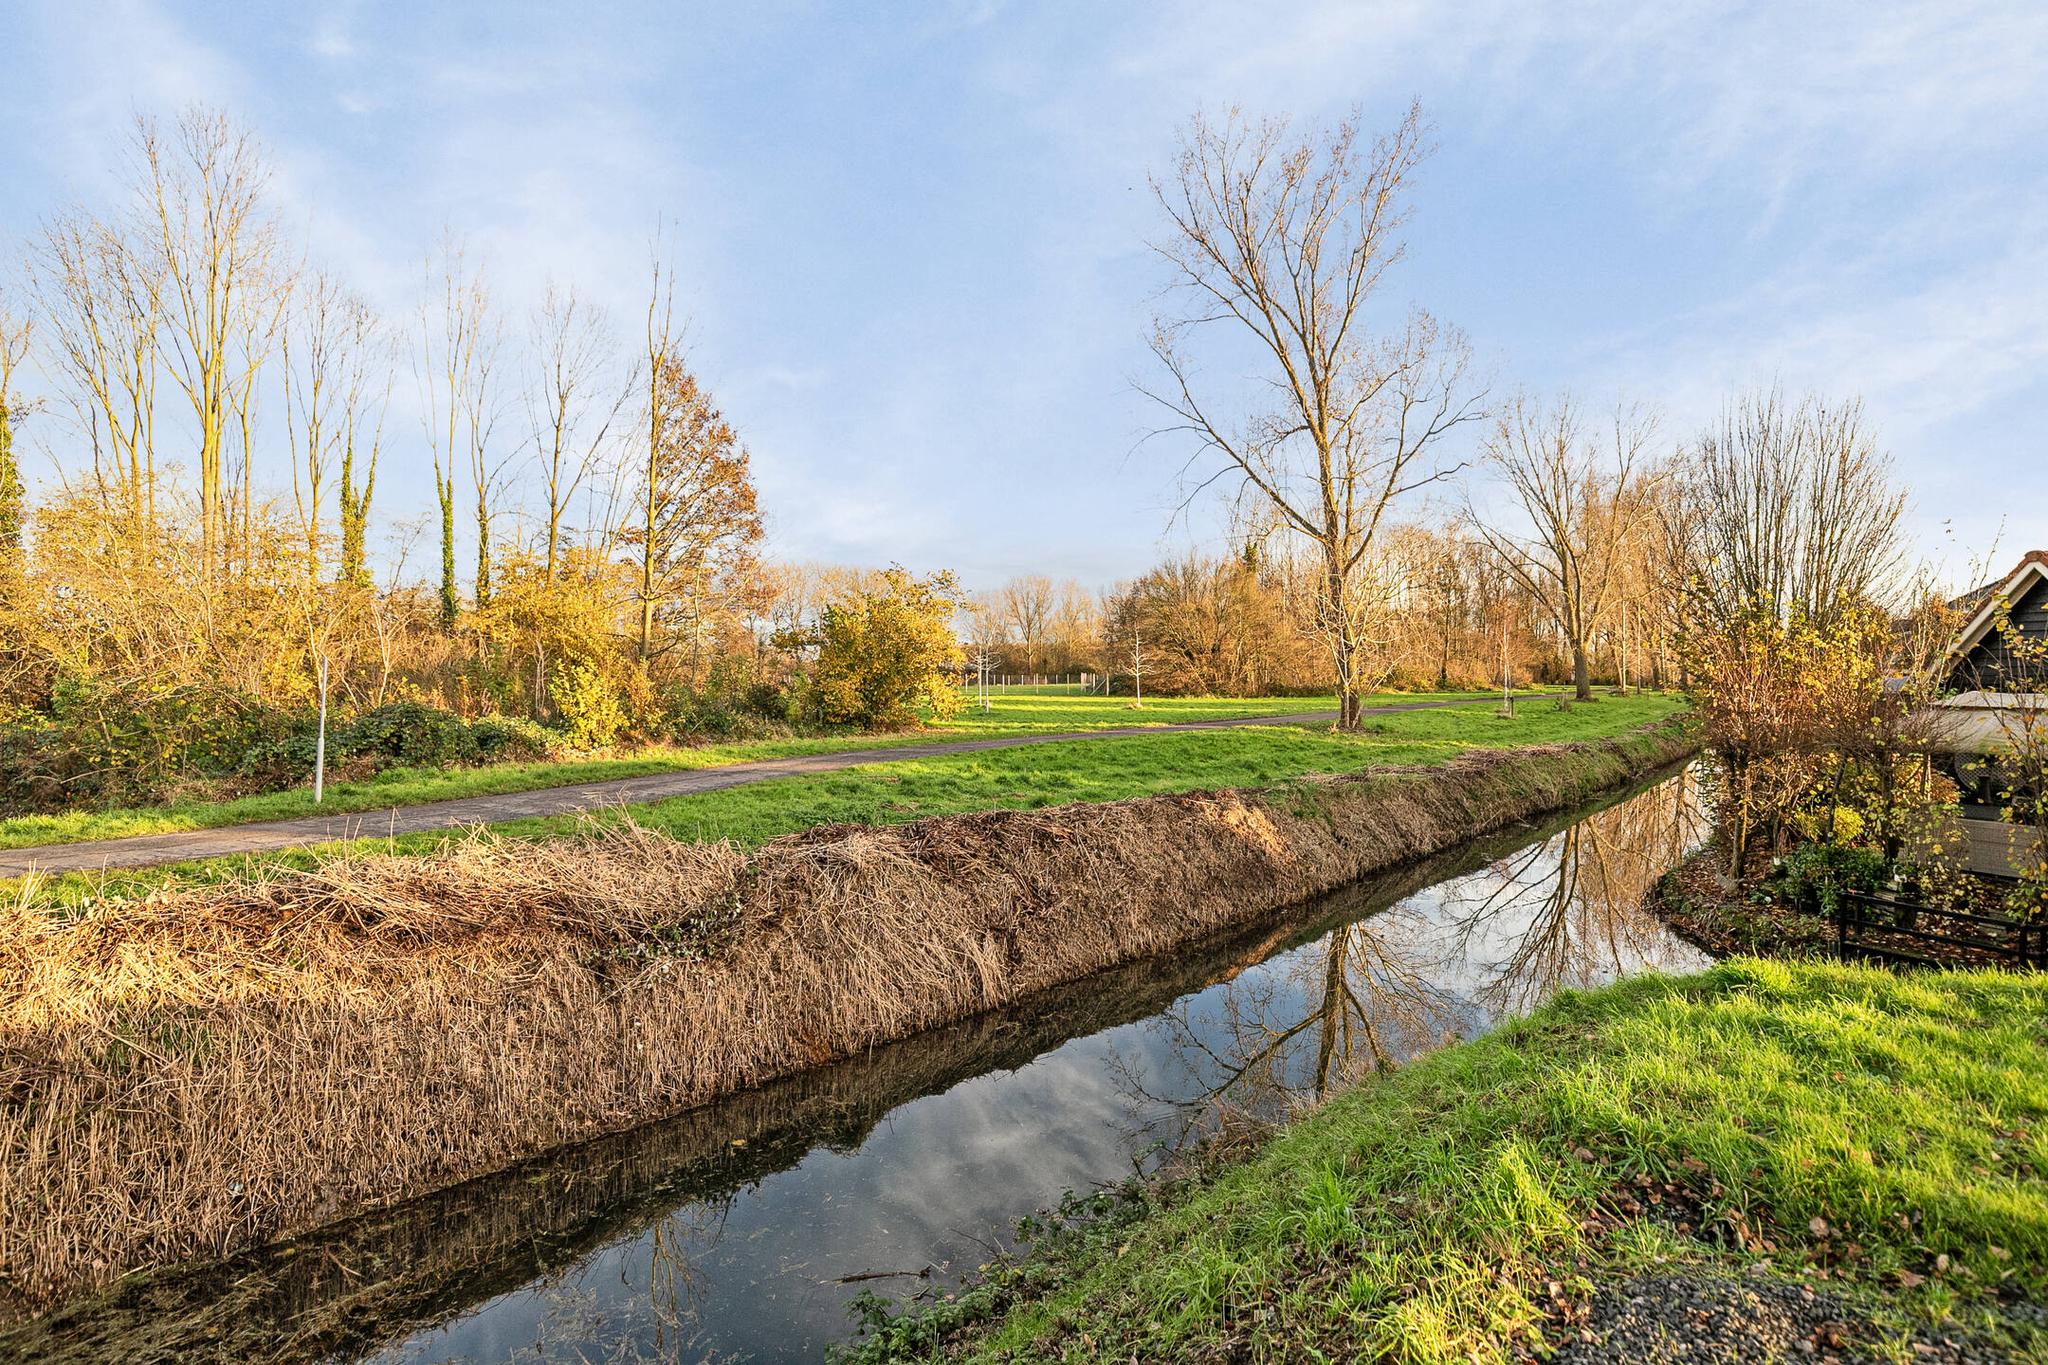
x: 1561, y: 545
x: 216, y: 409
x: 1597, y: 563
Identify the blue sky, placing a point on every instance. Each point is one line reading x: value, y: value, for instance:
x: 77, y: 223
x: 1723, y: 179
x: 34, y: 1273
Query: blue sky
x: 912, y: 237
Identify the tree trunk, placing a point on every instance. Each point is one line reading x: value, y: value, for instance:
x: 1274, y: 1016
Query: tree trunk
x: 449, y: 605
x: 483, y: 550
x: 1582, y: 678
x: 13, y: 499
x: 1343, y: 649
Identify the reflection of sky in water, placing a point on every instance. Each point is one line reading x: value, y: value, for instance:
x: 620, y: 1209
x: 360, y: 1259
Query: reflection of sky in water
x: 941, y: 1181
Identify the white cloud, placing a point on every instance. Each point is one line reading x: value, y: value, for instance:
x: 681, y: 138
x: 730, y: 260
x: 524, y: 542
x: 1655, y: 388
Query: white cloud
x: 929, y: 353
x: 331, y: 38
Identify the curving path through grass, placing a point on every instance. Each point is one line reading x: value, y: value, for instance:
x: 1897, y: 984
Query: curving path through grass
x: 149, y: 850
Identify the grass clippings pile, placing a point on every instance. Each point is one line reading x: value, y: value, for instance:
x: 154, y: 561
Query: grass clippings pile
x: 208, y: 1070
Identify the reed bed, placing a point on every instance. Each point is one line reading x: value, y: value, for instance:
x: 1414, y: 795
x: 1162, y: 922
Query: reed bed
x: 191, y: 1074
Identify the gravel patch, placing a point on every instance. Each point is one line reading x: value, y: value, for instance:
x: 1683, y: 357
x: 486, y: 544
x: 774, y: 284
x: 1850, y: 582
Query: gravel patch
x: 1700, y: 1318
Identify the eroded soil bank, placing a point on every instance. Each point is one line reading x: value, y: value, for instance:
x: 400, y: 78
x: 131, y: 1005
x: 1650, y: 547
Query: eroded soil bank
x: 189, y: 1076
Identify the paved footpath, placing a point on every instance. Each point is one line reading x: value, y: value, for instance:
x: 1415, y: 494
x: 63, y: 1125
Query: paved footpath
x: 147, y: 850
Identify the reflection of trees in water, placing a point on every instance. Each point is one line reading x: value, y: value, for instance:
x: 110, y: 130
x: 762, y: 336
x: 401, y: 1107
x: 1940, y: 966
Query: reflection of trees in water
x: 674, y: 1241
x: 1565, y: 911
x: 1276, y: 1031
x: 579, y: 1322
x: 1358, y: 1000
x: 1568, y: 912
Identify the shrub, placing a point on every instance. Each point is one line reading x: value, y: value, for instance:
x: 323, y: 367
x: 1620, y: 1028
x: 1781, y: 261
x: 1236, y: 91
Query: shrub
x: 411, y: 734
x: 103, y: 744
x: 1836, y: 825
x: 405, y: 734
x: 512, y: 739
x: 587, y: 702
x: 103, y: 747
x: 733, y: 702
x: 768, y: 700
x: 886, y: 656
x: 1816, y: 875
x: 34, y: 773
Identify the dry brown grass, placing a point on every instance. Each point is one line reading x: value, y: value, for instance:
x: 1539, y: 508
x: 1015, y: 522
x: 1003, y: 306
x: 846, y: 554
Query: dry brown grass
x: 191, y: 1074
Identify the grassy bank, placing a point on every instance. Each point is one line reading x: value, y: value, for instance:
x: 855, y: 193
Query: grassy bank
x: 1879, y: 1141
x: 211, y: 1069
x: 1008, y: 779
x: 1009, y: 715
x: 1118, y: 769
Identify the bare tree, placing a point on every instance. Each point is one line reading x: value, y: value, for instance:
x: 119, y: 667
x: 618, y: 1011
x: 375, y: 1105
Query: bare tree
x: 1026, y: 605
x: 576, y: 401
x: 334, y: 371
x: 310, y: 362
x: 982, y: 630
x: 100, y: 298
x: 1076, y: 629
x: 202, y: 191
x: 1283, y: 244
x: 14, y: 344
x: 1794, y: 508
x: 366, y: 363
x: 487, y: 464
x: 258, y: 322
x: 1583, y: 507
x: 663, y: 352
x: 1439, y: 591
x: 457, y: 350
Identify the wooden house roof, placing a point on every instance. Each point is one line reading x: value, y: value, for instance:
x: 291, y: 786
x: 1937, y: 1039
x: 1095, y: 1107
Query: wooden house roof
x: 1981, y: 603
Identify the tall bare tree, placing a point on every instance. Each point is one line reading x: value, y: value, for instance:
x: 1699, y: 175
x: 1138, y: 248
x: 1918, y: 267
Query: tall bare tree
x: 458, y: 345
x: 1281, y: 243
x: 1584, y: 506
x: 319, y: 361
x: 1027, y: 605
x: 1794, y: 507
x: 202, y: 188
x: 100, y: 298
x: 576, y: 401
x: 487, y: 462
x: 258, y: 319
x: 662, y: 356
x: 365, y: 387
x: 14, y: 344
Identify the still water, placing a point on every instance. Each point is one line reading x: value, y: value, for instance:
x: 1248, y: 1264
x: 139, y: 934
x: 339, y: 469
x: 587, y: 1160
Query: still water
x: 741, y: 1230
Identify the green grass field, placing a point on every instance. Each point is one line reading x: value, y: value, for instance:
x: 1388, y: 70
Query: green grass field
x: 1014, y: 713
x: 1113, y: 769
x: 1020, y: 778
x: 1881, y: 1137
